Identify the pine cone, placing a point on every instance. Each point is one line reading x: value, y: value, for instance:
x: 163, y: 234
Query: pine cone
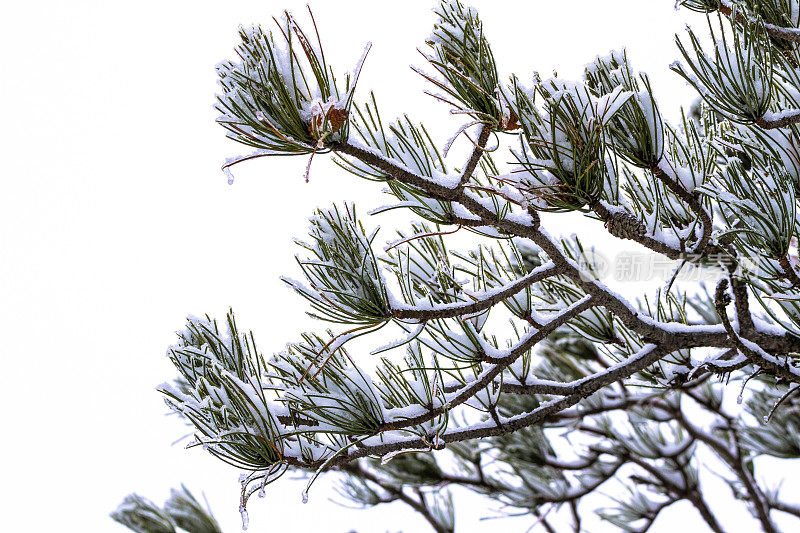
x: 625, y: 226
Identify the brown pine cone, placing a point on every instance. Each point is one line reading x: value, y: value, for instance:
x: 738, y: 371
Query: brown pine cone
x: 625, y: 226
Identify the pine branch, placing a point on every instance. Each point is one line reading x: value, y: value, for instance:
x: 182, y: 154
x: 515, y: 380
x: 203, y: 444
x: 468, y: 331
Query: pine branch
x: 734, y: 459
x: 665, y: 171
x: 749, y: 349
x: 477, y: 154
x: 726, y: 7
x: 500, y: 363
x: 356, y: 469
x: 786, y: 508
x: 577, y: 347
x: 482, y: 303
x: 772, y: 121
x: 670, y: 336
x: 582, y: 389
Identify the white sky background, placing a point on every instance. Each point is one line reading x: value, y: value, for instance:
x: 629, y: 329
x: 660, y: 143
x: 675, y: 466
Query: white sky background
x: 115, y: 223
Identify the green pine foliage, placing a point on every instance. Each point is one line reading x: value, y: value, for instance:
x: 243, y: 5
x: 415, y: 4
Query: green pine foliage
x: 514, y: 371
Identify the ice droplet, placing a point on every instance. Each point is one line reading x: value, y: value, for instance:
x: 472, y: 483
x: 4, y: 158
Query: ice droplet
x: 766, y: 419
x: 304, y: 496
x: 245, y: 518
x: 261, y: 492
x: 228, y: 174
x: 739, y: 399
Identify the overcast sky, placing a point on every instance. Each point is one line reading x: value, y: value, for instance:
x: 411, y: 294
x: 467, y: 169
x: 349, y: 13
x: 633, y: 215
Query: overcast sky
x: 115, y: 223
